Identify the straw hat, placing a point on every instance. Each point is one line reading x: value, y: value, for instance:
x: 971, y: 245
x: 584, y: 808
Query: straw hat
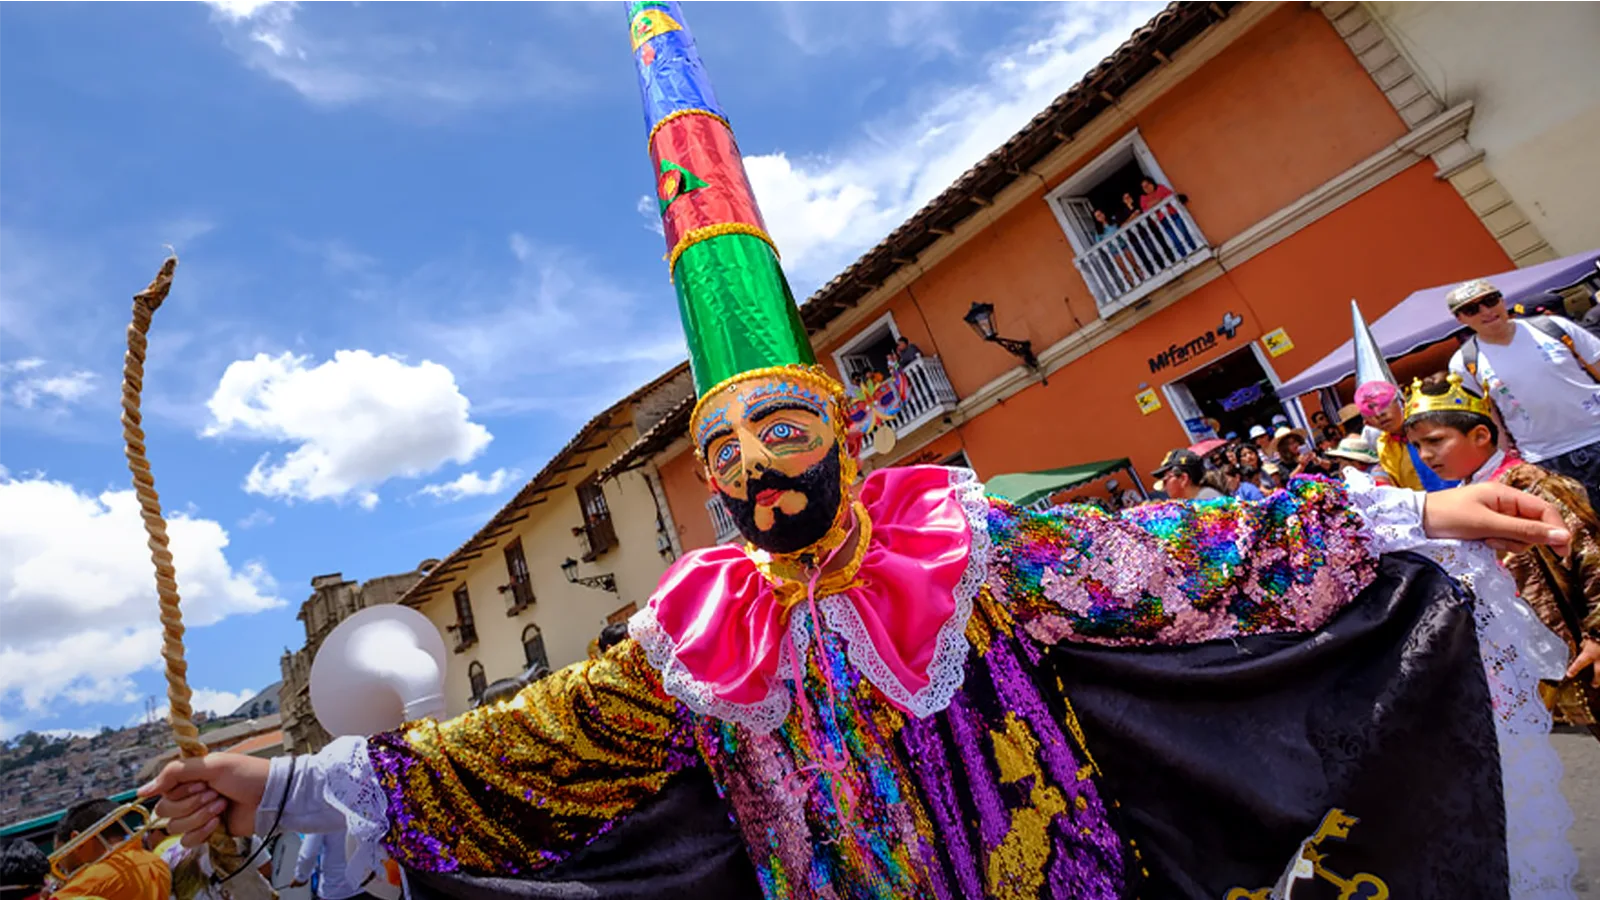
x: 1283, y: 433
x: 1355, y: 449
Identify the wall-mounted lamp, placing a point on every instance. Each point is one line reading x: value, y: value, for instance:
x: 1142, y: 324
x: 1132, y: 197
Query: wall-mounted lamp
x: 607, y: 582
x: 981, y: 318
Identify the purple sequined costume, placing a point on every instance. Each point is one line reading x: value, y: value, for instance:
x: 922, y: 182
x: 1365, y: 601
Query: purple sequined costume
x: 848, y: 794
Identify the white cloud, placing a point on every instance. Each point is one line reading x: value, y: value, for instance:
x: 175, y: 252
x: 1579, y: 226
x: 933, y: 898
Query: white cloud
x: 236, y: 10
x: 818, y: 29
x: 650, y: 212
x: 62, y: 734
x: 558, y: 333
x: 471, y: 484
x: 27, y: 385
x: 258, y: 518
x: 357, y: 420
x: 825, y: 211
x: 419, y: 74
x: 77, y: 592
x: 218, y: 703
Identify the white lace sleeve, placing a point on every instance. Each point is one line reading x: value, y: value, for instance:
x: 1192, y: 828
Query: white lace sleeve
x: 1393, y: 515
x: 334, y: 790
x: 1517, y: 650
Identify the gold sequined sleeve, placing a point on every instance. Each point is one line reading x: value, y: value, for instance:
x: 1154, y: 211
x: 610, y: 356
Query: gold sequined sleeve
x: 518, y: 786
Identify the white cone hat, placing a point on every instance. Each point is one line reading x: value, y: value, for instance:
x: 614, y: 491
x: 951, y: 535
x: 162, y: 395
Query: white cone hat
x: 379, y: 669
x: 1370, y: 364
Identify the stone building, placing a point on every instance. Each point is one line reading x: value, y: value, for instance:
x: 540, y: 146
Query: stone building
x: 333, y: 599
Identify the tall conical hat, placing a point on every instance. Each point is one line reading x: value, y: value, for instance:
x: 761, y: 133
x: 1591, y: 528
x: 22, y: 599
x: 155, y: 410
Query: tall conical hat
x: 1370, y: 364
x: 738, y: 313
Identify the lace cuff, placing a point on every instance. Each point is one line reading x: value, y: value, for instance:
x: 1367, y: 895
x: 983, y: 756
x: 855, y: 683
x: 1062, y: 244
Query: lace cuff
x: 1393, y: 516
x: 332, y: 791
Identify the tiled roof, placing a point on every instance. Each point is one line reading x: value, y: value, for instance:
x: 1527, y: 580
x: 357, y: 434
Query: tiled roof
x: 500, y: 524
x: 1147, y: 49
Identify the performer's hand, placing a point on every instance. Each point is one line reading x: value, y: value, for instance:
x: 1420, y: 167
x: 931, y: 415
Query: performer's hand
x: 201, y: 793
x: 1504, y: 517
x: 1588, y: 655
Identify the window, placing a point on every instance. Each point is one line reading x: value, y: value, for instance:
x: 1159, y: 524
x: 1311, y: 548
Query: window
x: 478, y: 681
x: 622, y: 615
x: 1137, y: 249
x: 721, y: 520
x: 466, y: 630
x: 869, y: 350
x: 519, y: 591
x: 602, y: 535
x: 533, y: 647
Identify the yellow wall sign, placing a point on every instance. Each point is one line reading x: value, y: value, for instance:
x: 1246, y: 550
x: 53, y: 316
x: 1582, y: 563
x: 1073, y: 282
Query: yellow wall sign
x: 1277, y: 342
x: 1148, y: 402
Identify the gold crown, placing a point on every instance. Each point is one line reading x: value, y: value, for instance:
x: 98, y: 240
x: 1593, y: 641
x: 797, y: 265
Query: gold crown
x: 1457, y: 399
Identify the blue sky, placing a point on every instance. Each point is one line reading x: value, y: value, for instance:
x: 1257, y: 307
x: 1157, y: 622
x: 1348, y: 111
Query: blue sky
x: 413, y: 261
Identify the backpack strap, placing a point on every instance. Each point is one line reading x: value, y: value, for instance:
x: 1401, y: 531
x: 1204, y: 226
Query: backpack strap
x: 1469, y: 359
x: 1548, y: 327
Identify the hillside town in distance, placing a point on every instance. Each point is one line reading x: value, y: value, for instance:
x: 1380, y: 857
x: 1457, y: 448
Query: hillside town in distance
x: 43, y: 772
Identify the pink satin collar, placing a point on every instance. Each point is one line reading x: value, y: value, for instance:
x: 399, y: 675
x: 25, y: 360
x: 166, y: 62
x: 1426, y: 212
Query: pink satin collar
x: 715, y: 629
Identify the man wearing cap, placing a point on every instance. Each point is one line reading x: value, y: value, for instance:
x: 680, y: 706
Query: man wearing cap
x: 1181, y: 472
x: 1379, y: 401
x: 1354, y: 452
x: 1543, y: 374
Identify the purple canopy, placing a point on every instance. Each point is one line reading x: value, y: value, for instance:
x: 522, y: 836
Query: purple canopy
x: 1422, y: 319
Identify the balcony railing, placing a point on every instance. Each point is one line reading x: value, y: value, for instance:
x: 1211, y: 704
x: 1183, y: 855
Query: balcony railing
x: 722, y: 521
x: 1148, y: 251
x: 928, y: 396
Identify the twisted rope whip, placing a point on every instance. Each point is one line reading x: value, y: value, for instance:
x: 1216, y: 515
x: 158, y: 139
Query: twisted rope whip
x: 227, y: 853
x: 145, y: 303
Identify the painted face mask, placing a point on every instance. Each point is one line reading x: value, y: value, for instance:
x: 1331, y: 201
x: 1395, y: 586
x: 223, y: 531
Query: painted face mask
x: 774, y: 451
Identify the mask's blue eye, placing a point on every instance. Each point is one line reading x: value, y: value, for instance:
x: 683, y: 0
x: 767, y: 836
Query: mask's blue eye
x: 727, y: 453
x: 782, y: 431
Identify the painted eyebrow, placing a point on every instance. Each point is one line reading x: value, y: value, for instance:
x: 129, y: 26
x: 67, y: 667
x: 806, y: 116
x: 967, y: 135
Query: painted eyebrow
x: 773, y: 407
x: 706, y: 443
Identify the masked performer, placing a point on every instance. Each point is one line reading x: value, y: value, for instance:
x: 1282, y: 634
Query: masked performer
x: 1382, y: 406
x: 904, y: 688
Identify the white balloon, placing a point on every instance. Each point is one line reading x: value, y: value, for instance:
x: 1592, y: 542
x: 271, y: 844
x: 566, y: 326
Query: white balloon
x: 378, y: 669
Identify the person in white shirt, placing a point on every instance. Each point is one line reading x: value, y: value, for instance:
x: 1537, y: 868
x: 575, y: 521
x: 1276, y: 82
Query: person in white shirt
x: 1543, y: 375
x: 324, y: 855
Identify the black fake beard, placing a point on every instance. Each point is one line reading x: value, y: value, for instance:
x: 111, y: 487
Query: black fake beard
x: 790, y: 533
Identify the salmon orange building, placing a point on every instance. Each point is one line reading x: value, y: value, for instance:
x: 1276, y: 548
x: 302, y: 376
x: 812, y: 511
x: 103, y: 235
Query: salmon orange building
x: 1294, y: 160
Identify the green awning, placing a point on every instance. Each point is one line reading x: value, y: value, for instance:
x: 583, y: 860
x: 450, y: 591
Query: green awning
x: 1027, y: 488
x: 48, y: 821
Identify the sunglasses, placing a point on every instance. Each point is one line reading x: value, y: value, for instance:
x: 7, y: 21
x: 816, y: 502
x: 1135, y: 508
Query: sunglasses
x: 1471, y: 309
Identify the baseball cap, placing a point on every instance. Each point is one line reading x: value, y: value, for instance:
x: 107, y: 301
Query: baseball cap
x: 1176, y: 459
x: 1257, y: 431
x: 1469, y: 292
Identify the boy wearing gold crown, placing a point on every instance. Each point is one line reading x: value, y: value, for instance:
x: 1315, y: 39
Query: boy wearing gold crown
x: 1452, y: 427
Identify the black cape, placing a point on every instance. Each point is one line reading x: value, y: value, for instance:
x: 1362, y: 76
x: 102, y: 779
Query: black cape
x: 1226, y: 759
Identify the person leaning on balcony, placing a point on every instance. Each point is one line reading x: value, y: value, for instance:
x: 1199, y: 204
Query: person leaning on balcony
x: 1144, y: 242
x: 1104, y: 229
x: 1171, y: 223
x: 1543, y: 375
x: 906, y: 353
